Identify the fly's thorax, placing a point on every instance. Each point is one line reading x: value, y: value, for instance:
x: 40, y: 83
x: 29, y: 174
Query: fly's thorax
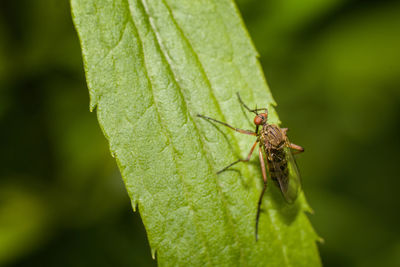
x: 272, y: 137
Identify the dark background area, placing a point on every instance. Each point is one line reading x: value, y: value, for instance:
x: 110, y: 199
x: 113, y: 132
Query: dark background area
x: 333, y: 67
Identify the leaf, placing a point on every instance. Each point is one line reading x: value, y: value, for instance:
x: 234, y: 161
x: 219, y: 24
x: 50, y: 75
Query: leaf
x: 151, y: 67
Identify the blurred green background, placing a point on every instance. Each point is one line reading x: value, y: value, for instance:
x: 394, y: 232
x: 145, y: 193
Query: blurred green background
x: 333, y: 67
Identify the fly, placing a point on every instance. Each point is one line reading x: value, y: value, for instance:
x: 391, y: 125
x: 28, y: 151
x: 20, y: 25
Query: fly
x: 278, y: 151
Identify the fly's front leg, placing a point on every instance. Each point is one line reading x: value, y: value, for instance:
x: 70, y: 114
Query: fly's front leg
x: 240, y: 160
x: 227, y: 125
x: 246, y: 107
x: 264, y: 174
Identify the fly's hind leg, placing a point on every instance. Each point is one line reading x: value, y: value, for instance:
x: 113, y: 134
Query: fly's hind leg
x: 240, y: 160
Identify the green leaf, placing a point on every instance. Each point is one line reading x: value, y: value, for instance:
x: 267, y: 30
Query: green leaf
x: 151, y: 67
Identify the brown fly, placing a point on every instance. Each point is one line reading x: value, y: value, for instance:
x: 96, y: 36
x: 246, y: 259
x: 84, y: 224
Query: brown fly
x: 275, y: 146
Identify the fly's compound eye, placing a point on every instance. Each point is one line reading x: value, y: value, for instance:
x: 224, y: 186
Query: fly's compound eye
x: 258, y: 119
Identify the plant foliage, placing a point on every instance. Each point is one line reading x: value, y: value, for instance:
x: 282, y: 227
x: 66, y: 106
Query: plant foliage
x: 151, y: 67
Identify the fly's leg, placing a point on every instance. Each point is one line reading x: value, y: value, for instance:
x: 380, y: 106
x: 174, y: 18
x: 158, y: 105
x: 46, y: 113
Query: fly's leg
x: 227, y: 125
x: 246, y: 107
x: 240, y: 160
x: 264, y: 174
x: 298, y: 149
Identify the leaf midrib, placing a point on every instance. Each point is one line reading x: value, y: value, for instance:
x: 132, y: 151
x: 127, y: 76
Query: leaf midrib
x: 207, y: 80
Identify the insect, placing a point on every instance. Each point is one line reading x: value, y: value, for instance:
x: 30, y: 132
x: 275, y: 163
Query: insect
x: 275, y: 153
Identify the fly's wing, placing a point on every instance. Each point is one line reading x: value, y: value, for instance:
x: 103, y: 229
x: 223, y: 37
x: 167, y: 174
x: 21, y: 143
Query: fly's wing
x: 288, y: 176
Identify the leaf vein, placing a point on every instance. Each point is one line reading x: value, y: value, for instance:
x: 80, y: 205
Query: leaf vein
x: 111, y: 49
